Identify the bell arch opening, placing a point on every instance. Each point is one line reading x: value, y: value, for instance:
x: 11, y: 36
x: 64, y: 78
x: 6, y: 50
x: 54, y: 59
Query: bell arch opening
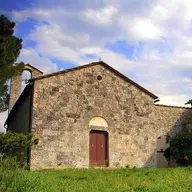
x: 26, y: 75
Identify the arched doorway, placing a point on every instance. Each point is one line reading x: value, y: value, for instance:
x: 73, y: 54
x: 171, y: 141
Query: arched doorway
x: 98, y: 143
x: 98, y: 155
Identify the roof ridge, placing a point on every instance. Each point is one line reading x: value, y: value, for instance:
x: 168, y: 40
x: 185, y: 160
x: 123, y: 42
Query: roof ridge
x: 66, y: 70
x: 174, y: 106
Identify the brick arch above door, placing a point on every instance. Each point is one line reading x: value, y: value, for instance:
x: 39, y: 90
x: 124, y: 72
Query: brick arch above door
x: 98, y: 121
x: 102, y: 113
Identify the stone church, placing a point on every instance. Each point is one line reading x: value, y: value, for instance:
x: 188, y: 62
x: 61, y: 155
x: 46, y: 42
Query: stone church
x: 92, y: 116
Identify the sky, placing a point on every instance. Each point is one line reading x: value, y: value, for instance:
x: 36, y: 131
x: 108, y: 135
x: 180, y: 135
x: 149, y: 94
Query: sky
x: 150, y: 41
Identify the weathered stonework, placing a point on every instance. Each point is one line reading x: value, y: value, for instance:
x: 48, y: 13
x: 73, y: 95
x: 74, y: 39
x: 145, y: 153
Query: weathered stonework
x: 15, y: 89
x: 64, y: 104
x: 61, y: 109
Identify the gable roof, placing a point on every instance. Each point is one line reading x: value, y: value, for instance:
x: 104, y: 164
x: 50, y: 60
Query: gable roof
x: 104, y: 65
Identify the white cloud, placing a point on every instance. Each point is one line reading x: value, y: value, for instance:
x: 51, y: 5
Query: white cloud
x: 52, y: 42
x: 142, y: 29
x: 54, y: 32
x: 101, y: 16
x: 40, y: 14
x: 64, y: 47
x: 176, y: 100
x: 160, y: 31
x: 160, y: 13
x: 29, y: 55
x: 90, y: 50
x: 3, y: 117
x: 118, y: 61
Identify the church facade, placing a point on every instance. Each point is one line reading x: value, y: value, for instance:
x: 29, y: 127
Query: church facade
x: 92, y: 116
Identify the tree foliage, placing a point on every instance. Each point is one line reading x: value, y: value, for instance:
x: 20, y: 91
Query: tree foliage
x: 10, y: 47
x: 189, y: 102
x: 180, y: 150
x: 11, y: 143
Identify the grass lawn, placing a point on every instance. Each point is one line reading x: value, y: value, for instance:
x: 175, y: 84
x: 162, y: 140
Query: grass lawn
x: 98, y: 180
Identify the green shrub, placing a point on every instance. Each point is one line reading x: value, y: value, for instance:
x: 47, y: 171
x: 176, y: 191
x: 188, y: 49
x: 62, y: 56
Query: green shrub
x: 180, y: 149
x: 16, y: 145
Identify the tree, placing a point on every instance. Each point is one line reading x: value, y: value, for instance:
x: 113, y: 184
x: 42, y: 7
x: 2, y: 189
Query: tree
x: 10, y: 47
x: 179, y: 150
x: 189, y: 102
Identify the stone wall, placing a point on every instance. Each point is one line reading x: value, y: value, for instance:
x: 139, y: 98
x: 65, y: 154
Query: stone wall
x: 15, y: 89
x: 172, y: 120
x: 64, y: 105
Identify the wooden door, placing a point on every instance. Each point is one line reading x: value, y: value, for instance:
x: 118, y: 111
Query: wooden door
x: 98, y: 148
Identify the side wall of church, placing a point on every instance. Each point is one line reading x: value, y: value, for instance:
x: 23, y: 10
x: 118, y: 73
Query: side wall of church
x: 64, y: 105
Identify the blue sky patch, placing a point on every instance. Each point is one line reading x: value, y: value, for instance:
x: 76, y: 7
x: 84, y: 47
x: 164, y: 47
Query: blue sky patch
x: 9, y: 5
x: 122, y: 47
x: 91, y: 56
x: 23, y: 29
